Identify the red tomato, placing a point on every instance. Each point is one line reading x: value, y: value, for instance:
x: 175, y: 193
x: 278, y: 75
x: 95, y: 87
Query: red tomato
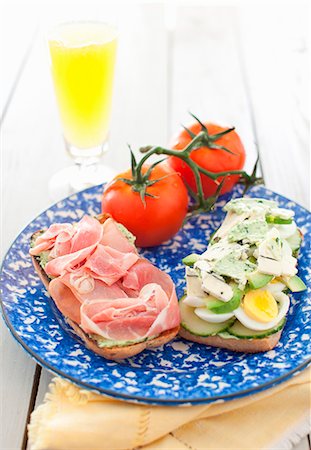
x: 160, y: 218
x: 210, y: 159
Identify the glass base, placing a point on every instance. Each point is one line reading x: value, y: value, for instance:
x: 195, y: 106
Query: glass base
x: 76, y: 178
x: 86, y: 156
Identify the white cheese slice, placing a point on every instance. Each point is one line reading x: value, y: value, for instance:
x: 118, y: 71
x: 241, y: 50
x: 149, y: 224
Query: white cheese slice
x: 191, y: 272
x: 289, y: 267
x: 288, y: 261
x: 222, y: 249
x: 216, y: 287
x: 194, y: 286
x: 231, y: 219
x: 269, y: 266
x: 282, y: 262
x: 202, y: 265
x: 271, y: 246
x: 217, y: 251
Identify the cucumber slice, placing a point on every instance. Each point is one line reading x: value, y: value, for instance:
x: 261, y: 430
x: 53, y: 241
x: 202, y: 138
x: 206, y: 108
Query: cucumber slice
x: 240, y: 331
x: 190, y: 259
x: 191, y: 322
x: 294, y: 242
x: 231, y: 305
x: 295, y: 284
x: 258, y: 280
x: 278, y: 220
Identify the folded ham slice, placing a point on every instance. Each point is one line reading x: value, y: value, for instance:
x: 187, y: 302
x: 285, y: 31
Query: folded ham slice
x: 101, y: 283
x: 58, y: 236
x: 69, y: 293
x: 129, y: 318
x: 148, y: 288
x: 109, y: 264
x: 113, y: 237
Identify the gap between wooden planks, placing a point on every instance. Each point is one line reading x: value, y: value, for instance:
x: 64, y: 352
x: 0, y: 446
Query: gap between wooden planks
x: 221, y: 90
x: 178, y: 77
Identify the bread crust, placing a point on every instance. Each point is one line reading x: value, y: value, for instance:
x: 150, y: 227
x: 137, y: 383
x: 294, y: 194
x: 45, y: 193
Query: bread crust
x: 113, y: 353
x: 118, y: 353
x: 236, y: 345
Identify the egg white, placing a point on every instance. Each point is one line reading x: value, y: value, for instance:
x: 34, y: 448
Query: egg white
x: 274, y: 288
x: 191, y: 300
x: 209, y: 316
x: 283, y: 304
x: 285, y: 230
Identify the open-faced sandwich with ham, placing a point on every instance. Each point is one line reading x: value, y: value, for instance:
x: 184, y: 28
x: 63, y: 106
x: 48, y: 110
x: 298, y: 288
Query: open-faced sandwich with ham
x: 237, y: 290
x: 116, y: 301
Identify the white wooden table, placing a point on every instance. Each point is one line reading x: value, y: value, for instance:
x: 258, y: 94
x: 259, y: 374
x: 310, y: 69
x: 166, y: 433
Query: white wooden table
x: 238, y: 65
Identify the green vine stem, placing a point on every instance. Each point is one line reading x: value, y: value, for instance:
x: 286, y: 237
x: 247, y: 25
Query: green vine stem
x: 140, y: 181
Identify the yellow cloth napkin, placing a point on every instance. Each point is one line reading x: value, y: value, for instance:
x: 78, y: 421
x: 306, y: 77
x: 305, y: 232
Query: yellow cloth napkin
x: 73, y: 418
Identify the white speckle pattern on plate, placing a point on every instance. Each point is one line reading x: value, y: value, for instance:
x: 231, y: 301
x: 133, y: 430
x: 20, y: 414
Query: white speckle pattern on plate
x: 181, y: 372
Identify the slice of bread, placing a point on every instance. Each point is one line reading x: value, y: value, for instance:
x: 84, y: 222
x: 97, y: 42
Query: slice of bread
x: 236, y: 345
x: 115, y: 352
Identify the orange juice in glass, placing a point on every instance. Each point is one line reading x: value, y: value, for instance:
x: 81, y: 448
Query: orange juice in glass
x: 82, y: 61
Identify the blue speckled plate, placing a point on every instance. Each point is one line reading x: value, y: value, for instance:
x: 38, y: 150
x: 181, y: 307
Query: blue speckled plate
x: 178, y: 373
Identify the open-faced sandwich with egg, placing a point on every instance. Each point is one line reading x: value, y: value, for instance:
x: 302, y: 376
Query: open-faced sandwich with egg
x: 237, y: 290
x: 116, y: 301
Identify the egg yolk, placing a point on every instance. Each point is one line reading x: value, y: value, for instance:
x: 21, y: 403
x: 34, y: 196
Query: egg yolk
x: 275, y: 280
x: 260, y: 305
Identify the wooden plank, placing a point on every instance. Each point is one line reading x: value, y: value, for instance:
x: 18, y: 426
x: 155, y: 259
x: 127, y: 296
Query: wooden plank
x: 277, y: 70
x: 207, y: 77
x: 17, y: 373
x: 32, y: 130
x: 140, y: 101
x: 33, y: 146
x: 32, y: 133
x: 16, y: 35
x: 17, y: 368
x: 141, y: 113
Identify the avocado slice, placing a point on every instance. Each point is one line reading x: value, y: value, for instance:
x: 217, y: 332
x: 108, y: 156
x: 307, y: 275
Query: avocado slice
x: 213, y: 302
x: 231, y: 305
x: 258, y: 280
x: 278, y: 220
x: 295, y: 284
x: 190, y: 259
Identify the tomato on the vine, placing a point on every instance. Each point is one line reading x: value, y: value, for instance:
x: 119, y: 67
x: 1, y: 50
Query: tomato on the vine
x: 212, y: 159
x: 159, y: 215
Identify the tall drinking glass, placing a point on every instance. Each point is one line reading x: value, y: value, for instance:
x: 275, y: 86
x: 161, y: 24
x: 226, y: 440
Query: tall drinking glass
x: 82, y: 61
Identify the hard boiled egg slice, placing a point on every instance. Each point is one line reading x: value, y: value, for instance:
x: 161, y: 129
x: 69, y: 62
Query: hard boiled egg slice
x: 260, y: 305
x: 286, y: 230
x: 259, y: 312
x: 274, y: 287
x: 209, y: 316
x: 194, y: 301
